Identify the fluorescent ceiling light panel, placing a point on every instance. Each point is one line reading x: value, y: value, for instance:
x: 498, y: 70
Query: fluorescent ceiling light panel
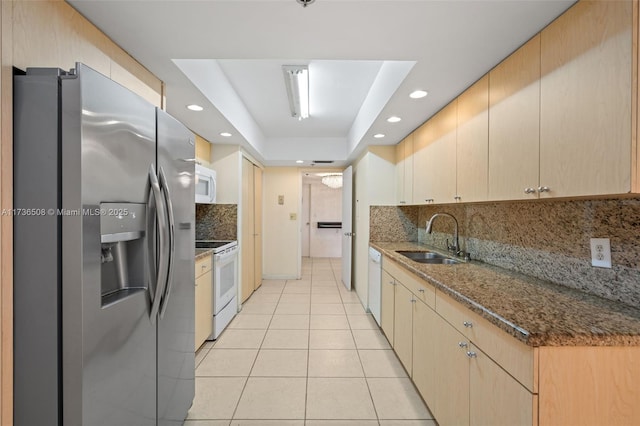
x: 296, y: 79
x: 394, y: 119
x: 225, y: 134
x: 378, y: 136
x: 194, y: 107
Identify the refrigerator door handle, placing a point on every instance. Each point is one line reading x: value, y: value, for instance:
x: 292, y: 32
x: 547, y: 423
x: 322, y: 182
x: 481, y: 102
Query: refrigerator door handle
x: 161, y: 215
x: 172, y: 241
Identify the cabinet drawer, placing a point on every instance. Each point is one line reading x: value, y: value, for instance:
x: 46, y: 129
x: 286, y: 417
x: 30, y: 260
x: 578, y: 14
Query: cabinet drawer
x: 203, y: 265
x: 422, y: 290
x: 512, y: 355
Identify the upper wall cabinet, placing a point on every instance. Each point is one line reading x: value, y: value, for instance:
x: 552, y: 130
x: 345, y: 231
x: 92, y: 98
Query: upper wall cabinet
x: 514, y: 125
x: 404, y: 170
x: 585, y: 101
x: 473, y: 142
x: 434, y: 147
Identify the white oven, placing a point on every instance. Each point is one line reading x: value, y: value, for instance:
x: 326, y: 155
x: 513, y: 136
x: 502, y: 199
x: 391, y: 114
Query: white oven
x: 205, y: 185
x: 225, y: 286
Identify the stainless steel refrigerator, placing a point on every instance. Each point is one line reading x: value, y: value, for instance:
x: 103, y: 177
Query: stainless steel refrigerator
x: 104, y: 254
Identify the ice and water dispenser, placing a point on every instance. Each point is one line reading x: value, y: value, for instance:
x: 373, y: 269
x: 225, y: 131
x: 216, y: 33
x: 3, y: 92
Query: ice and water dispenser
x: 124, y: 250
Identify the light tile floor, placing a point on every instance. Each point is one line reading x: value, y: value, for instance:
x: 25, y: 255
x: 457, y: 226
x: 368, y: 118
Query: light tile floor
x: 304, y: 352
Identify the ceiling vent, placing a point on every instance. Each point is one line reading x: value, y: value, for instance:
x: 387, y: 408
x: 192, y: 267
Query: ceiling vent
x: 322, y: 161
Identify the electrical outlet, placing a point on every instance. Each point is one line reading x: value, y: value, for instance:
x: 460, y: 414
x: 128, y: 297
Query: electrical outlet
x: 601, y: 252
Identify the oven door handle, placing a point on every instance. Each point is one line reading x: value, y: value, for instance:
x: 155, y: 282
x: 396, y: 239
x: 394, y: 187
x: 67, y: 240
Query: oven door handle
x: 225, y: 258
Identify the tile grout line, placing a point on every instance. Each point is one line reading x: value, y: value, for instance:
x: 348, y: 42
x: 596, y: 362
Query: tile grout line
x: 244, y: 388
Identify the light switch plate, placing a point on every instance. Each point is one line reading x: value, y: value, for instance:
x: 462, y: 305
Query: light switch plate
x: 281, y: 199
x: 293, y: 216
x: 601, y: 252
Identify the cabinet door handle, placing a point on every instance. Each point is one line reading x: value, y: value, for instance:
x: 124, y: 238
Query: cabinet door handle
x: 413, y: 300
x: 530, y: 191
x: 421, y: 290
x: 468, y: 324
x: 463, y: 344
x: 544, y: 189
x: 472, y: 354
x: 457, y: 198
x: 203, y: 267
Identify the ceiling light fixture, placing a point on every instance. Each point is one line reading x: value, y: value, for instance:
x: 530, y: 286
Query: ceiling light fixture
x: 194, y: 107
x: 299, y: 161
x: 333, y: 180
x: 226, y: 134
x: 305, y: 3
x: 378, y: 136
x: 418, y: 94
x: 296, y: 78
x: 393, y: 119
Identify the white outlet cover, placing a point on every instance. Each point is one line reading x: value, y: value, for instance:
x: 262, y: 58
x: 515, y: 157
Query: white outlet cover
x: 601, y: 252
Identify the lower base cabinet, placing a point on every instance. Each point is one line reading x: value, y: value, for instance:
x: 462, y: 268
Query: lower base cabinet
x: 470, y: 373
x: 496, y: 398
x: 203, y: 301
x: 424, y: 340
x: 451, y: 403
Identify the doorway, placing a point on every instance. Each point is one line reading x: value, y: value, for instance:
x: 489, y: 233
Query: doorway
x: 321, y: 214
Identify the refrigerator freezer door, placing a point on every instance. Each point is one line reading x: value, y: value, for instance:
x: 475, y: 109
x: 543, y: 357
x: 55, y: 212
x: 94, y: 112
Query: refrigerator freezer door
x: 109, y: 364
x: 176, y: 332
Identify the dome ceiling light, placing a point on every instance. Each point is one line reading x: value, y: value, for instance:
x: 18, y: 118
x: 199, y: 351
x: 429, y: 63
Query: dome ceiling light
x: 305, y: 3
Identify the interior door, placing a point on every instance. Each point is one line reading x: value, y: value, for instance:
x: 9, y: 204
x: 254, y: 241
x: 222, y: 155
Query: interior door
x: 306, y: 219
x: 257, y: 227
x: 347, y: 225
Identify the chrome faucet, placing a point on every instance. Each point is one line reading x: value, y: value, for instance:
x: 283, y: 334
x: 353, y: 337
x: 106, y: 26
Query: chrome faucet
x: 455, y: 247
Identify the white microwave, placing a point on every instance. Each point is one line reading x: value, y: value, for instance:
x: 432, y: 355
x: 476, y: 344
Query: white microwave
x: 205, y: 185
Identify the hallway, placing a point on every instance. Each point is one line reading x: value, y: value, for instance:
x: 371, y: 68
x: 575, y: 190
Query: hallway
x: 304, y: 352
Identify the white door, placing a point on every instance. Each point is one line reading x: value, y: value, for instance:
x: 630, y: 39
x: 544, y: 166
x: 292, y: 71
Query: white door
x: 347, y: 225
x: 306, y: 218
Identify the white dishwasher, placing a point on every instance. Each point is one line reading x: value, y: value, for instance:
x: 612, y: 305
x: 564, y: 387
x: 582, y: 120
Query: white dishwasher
x: 375, y: 272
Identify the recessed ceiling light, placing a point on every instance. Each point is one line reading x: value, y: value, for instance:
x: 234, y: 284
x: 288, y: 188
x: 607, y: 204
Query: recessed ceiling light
x: 393, y: 119
x: 378, y: 136
x: 418, y: 94
x: 194, y: 107
x: 225, y: 134
x: 299, y: 161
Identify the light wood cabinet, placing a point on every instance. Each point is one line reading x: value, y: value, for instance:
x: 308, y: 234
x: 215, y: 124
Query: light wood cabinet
x: 424, y: 343
x: 496, y: 398
x: 203, y: 300
x: 251, y: 226
x: 451, y: 403
x: 434, y: 175
x: 387, y: 305
x: 404, y: 170
x: 560, y: 120
x: 403, y: 325
x: 257, y: 227
x: 514, y: 125
x: 470, y: 372
x: 472, y: 146
x: 585, y: 100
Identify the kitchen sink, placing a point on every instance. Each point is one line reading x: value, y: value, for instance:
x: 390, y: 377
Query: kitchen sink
x: 428, y: 257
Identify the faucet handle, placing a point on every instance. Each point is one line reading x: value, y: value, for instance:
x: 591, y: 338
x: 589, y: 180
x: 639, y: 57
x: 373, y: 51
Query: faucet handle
x: 451, y: 248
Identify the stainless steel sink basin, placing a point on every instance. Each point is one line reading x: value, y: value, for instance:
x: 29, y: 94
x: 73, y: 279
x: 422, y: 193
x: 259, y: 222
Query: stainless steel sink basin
x: 428, y: 257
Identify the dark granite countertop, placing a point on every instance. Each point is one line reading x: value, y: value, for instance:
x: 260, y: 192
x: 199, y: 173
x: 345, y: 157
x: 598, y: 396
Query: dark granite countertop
x: 536, y: 312
x: 203, y: 252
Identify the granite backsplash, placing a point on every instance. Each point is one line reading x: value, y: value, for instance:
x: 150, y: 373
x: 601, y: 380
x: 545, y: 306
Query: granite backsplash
x: 216, y: 221
x: 546, y: 239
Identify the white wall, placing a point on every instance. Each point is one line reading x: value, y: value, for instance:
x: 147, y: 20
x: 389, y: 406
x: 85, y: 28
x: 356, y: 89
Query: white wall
x: 326, y: 206
x: 281, y: 234
x: 374, y: 184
